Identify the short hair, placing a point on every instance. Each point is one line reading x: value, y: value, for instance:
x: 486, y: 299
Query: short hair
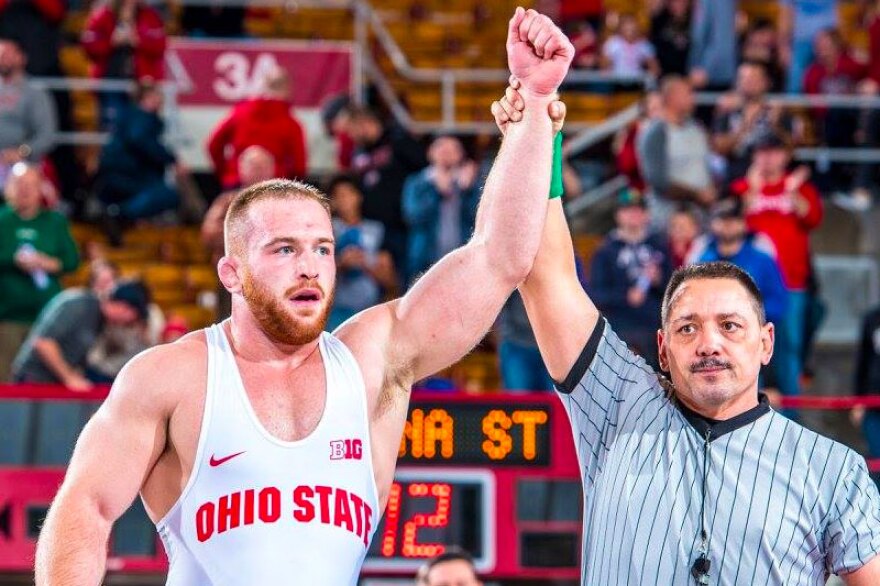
x: 712, y: 270
x: 762, y: 24
x: 759, y: 65
x: 363, y: 113
x: 452, y: 554
x: 835, y: 35
x: 686, y: 208
x: 273, y: 189
x: 670, y: 81
x: 143, y: 88
x: 341, y: 179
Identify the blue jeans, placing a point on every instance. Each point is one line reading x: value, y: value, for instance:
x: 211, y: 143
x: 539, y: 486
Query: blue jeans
x: 789, y: 347
x: 801, y: 56
x: 150, y: 201
x: 522, y: 368
x: 137, y: 200
x: 790, y: 342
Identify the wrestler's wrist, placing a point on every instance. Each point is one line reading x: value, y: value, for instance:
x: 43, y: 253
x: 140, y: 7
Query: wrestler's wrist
x: 533, y: 98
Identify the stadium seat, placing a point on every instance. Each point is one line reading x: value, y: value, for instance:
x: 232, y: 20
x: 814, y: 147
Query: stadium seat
x: 162, y: 276
x: 585, y: 246
x: 201, y: 278
x: 196, y: 316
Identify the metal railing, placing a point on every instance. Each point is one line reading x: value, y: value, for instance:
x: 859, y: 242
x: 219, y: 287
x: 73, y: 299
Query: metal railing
x: 819, y: 154
x: 367, y: 19
x: 171, y: 112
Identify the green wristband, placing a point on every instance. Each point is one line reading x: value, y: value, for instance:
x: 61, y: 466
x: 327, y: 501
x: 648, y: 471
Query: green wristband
x: 556, y: 189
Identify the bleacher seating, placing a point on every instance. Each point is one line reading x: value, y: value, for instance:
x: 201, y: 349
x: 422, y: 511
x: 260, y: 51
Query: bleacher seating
x: 172, y: 261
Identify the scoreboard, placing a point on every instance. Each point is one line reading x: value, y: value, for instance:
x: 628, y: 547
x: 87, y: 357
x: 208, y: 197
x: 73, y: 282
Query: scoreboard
x: 494, y: 474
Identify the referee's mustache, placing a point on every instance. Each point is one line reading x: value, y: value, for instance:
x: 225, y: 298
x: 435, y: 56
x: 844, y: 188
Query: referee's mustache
x: 708, y: 363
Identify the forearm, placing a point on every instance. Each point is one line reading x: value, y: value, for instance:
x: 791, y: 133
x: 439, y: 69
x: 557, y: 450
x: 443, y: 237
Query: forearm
x: 510, y: 218
x: 50, y: 354
x: 555, y: 258
x: 560, y: 312
x: 72, y: 549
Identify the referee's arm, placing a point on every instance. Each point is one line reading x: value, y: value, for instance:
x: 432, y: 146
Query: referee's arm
x: 867, y: 575
x: 852, y: 537
x: 561, y: 313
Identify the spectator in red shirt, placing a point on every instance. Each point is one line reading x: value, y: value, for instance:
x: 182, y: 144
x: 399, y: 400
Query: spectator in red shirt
x: 581, y: 10
x: 336, y: 116
x: 624, y: 146
x: 125, y: 39
x: 786, y: 208
x: 834, y: 70
x: 264, y: 121
x: 872, y: 22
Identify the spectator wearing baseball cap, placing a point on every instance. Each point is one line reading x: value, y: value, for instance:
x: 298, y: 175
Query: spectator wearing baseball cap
x: 731, y: 241
x: 628, y: 274
x: 57, y: 347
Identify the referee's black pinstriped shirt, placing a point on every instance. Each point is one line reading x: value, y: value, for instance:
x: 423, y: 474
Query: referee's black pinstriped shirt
x: 783, y: 505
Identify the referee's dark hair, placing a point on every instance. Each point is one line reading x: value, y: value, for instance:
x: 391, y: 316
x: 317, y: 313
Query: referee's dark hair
x: 713, y: 270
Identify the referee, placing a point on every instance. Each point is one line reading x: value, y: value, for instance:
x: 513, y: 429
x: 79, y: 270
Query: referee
x: 694, y: 479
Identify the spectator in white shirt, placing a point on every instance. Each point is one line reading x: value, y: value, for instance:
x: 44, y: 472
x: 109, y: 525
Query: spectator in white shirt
x: 628, y: 53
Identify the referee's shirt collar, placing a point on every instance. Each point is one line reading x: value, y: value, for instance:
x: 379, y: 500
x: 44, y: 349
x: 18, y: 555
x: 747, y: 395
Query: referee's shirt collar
x: 703, y: 425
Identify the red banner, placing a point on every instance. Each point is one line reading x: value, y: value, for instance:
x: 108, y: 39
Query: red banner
x: 220, y: 73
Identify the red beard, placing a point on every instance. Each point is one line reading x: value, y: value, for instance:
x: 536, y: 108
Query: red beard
x: 276, y: 321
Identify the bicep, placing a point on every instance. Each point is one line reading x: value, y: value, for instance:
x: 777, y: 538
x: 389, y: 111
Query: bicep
x: 867, y: 575
x: 117, y: 448
x: 852, y: 535
x: 449, y: 310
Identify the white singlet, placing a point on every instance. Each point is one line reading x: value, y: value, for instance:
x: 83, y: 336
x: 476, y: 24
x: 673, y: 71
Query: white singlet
x: 258, y: 510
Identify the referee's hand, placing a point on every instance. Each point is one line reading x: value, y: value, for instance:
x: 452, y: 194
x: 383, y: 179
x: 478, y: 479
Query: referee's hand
x: 511, y: 105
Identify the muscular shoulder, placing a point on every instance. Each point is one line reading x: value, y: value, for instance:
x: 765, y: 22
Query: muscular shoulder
x: 160, y: 377
x: 368, y: 336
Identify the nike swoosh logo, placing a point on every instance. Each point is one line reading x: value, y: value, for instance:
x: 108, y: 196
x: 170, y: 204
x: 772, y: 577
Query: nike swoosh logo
x: 214, y: 462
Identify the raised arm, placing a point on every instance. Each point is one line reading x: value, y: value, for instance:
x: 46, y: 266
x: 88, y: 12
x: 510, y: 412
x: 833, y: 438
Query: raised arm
x: 561, y: 313
x: 454, y: 304
x: 113, y: 456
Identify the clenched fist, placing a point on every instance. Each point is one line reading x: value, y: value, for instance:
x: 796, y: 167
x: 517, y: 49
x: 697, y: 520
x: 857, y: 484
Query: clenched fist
x: 538, y: 53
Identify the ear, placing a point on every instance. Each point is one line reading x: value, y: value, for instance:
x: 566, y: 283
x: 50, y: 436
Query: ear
x: 661, y: 351
x: 768, y: 338
x: 228, y: 270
